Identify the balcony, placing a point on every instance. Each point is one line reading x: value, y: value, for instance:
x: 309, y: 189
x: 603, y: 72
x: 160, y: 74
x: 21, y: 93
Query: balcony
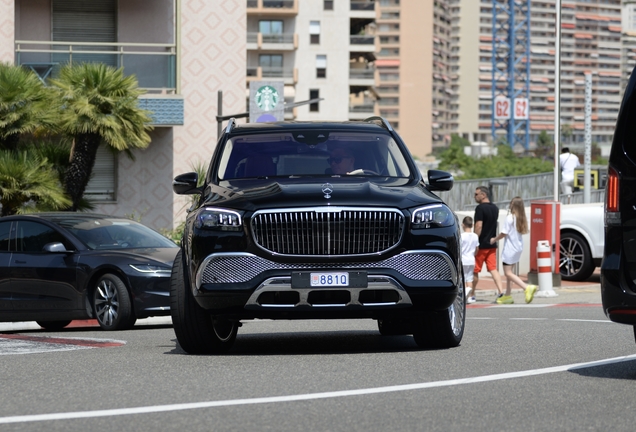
x: 362, y: 43
x: 361, y: 111
x: 154, y: 65
x: 272, y: 7
x: 258, y: 73
x: 361, y: 77
x: 272, y: 42
x: 362, y: 8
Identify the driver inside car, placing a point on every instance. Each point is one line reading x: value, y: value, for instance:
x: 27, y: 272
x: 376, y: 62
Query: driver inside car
x: 341, y: 161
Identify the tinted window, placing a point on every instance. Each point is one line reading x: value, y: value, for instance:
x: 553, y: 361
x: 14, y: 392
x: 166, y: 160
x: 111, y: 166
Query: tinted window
x: 310, y: 153
x: 32, y: 236
x: 5, y: 231
x: 116, y: 234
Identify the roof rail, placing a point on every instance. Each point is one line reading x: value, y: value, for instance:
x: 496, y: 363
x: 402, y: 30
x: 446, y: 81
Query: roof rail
x: 230, y: 125
x: 384, y: 122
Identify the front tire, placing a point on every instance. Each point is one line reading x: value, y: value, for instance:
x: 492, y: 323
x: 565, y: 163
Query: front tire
x: 443, y: 329
x: 197, y: 332
x: 53, y: 325
x: 575, y: 262
x: 112, y: 305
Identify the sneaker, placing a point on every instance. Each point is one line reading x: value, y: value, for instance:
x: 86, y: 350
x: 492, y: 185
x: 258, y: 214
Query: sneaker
x: 530, y: 290
x: 500, y: 295
x: 504, y: 299
x: 471, y: 300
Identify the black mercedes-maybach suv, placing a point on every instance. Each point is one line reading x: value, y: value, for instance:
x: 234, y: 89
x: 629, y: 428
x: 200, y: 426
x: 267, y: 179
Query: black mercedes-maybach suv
x: 316, y: 220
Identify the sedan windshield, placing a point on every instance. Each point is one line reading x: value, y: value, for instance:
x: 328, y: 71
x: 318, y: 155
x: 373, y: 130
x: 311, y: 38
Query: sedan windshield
x: 116, y: 234
x: 312, y: 153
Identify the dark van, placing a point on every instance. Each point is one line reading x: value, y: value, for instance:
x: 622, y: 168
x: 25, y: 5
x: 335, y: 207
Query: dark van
x: 618, y: 269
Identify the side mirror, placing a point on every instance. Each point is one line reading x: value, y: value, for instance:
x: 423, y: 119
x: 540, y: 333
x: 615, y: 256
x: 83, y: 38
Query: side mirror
x: 54, y: 247
x: 186, y: 184
x: 440, y: 180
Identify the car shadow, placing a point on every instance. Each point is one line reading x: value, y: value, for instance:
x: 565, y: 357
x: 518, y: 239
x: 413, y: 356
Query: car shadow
x: 316, y: 343
x: 625, y: 370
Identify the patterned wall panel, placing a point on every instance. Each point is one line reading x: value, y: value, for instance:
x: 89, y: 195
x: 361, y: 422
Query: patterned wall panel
x: 213, y: 42
x: 7, y: 30
x: 166, y: 111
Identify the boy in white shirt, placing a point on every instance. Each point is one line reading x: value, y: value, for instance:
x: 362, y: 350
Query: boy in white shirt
x: 470, y: 244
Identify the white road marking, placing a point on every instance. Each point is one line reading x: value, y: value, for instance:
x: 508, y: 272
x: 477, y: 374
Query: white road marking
x: 583, y: 320
x: 528, y: 319
x: 11, y: 344
x: 309, y: 396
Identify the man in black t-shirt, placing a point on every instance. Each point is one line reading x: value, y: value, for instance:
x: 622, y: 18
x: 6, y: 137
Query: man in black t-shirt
x: 486, y: 215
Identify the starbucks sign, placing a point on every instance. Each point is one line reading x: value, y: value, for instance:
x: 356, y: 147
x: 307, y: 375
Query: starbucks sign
x: 266, y: 101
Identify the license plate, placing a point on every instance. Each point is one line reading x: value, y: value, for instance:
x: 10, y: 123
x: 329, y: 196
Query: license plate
x: 329, y: 279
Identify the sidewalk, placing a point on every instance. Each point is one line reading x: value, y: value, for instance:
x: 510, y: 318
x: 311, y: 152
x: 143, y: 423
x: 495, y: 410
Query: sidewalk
x: 569, y: 292
x: 32, y: 325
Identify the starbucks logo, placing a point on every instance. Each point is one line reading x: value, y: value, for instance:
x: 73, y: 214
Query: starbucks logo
x: 267, y: 98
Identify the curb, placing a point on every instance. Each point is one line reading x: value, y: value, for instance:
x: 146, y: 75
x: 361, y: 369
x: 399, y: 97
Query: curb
x: 32, y: 325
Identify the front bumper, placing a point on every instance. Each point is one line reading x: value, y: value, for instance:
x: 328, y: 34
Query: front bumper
x: 246, y: 285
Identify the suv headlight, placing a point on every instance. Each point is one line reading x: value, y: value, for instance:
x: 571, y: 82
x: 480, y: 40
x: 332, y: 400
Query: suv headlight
x: 214, y: 218
x: 432, y: 216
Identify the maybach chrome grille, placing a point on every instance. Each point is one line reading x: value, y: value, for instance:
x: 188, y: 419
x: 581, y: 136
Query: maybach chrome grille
x: 329, y: 231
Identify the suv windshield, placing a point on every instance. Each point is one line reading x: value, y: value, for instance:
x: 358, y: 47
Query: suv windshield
x: 312, y: 153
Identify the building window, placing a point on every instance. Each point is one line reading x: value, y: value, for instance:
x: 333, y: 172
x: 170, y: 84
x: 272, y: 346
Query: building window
x: 314, y: 32
x: 270, y: 27
x: 271, y: 65
x: 314, y: 94
x: 321, y: 66
x: 103, y: 183
x: 328, y: 4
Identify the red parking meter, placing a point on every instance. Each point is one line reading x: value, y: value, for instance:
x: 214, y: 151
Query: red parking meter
x: 545, y: 222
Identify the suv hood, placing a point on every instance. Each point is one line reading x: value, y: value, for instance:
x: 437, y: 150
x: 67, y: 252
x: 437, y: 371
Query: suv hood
x: 250, y: 194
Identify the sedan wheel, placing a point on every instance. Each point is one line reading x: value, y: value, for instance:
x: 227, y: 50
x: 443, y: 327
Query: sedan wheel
x: 575, y: 259
x: 112, y: 304
x: 443, y: 329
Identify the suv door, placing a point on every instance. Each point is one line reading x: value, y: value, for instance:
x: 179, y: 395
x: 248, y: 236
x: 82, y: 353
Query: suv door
x: 40, y: 280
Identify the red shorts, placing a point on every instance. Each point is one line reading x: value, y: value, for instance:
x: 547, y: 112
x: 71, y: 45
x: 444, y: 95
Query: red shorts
x: 487, y: 255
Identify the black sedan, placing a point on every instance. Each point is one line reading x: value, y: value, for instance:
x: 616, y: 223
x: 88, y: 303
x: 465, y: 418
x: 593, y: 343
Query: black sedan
x: 57, y: 267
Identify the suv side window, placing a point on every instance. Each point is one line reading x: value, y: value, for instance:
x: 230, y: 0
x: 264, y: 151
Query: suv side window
x: 32, y: 236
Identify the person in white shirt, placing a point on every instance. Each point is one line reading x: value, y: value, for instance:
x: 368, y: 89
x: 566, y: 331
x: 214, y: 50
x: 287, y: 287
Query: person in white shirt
x: 568, y: 163
x: 516, y: 224
x: 470, y: 243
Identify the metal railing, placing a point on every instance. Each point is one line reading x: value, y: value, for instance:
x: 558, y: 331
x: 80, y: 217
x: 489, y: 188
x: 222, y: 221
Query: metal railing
x: 367, y: 5
x: 154, y: 65
x: 366, y: 108
x: 361, y: 73
x: 361, y: 40
x: 529, y: 187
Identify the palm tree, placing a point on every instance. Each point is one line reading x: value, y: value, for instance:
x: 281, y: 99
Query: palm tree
x: 23, y: 105
x: 97, y: 103
x: 29, y: 182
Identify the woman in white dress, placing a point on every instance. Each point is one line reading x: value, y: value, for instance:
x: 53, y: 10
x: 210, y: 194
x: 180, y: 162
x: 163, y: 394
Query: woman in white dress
x: 515, y: 226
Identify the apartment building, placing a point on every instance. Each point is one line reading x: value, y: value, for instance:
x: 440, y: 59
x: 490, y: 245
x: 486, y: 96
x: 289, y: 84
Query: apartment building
x: 628, y: 41
x: 414, y: 71
x: 320, y: 49
x: 181, y: 51
x: 590, y: 43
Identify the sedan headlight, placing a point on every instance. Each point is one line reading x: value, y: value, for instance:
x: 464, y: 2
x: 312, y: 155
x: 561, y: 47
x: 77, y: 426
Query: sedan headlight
x: 147, y: 268
x: 215, y: 218
x: 432, y: 216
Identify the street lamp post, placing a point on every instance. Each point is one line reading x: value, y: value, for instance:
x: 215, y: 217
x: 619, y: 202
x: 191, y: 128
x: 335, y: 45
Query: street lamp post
x: 557, y: 98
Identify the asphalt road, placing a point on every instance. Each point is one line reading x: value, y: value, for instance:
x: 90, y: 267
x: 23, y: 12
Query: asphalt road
x: 555, y: 365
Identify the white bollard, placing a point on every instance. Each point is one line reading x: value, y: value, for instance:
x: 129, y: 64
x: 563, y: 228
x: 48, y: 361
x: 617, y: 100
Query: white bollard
x: 544, y: 270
